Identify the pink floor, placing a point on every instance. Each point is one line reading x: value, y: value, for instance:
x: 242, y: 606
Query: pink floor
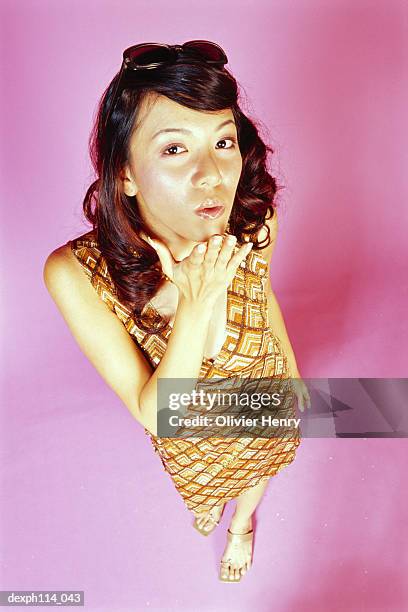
x: 87, y: 505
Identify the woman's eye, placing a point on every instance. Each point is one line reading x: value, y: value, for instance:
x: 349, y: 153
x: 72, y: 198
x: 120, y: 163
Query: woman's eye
x: 173, y: 146
x: 233, y: 140
x: 176, y: 146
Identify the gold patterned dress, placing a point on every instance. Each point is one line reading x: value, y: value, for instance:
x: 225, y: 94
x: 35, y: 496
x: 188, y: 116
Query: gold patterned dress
x: 209, y: 471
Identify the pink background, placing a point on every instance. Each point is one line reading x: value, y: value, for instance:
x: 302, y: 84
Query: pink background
x: 85, y: 502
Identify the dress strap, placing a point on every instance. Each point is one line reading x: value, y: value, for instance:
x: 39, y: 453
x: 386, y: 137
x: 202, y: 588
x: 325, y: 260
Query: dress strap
x: 85, y: 249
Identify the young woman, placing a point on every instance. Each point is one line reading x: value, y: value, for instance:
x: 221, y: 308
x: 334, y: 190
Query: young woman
x: 176, y: 268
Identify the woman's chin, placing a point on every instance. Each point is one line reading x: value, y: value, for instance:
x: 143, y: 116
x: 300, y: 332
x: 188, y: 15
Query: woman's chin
x: 212, y: 229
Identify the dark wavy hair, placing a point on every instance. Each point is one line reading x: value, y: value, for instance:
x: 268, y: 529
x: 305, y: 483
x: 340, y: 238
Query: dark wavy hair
x: 132, y: 263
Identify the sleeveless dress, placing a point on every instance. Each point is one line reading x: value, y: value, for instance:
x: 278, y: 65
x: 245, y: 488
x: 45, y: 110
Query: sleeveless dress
x: 210, y: 471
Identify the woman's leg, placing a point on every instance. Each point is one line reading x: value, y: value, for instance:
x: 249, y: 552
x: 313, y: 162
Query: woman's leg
x: 239, y: 556
x: 245, y: 507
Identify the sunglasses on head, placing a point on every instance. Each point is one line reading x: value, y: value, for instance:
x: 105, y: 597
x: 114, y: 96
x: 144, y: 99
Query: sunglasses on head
x: 147, y: 56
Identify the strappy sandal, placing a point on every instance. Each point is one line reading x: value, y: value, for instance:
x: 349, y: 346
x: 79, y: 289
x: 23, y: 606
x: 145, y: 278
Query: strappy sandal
x: 234, y: 538
x: 206, y: 532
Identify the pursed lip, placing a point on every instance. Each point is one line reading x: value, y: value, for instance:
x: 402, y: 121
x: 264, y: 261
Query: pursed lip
x: 209, y: 204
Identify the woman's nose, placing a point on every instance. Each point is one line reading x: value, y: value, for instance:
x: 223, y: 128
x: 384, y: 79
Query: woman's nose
x: 207, y: 172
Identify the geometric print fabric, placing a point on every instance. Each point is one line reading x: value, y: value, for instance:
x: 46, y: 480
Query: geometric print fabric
x: 209, y: 471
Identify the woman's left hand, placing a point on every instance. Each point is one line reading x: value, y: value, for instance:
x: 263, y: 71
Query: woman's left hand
x: 301, y: 392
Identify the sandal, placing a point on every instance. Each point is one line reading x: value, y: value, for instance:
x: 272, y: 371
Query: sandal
x: 207, y: 531
x: 235, y: 538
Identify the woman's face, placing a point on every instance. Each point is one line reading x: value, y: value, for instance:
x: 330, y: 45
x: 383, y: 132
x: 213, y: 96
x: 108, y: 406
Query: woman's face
x: 194, y: 158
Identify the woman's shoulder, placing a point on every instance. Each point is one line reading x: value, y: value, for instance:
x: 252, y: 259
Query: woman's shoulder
x: 74, y: 266
x: 82, y: 249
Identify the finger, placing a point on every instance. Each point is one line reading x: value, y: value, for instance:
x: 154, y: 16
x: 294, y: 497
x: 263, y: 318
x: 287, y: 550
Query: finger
x: 213, y: 248
x: 226, y: 250
x: 238, y: 257
x: 196, y: 256
x: 306, y: 396
x: 164, y: 255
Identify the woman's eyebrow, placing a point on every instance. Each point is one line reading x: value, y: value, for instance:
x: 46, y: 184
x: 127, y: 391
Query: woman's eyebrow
x: 185, y: 131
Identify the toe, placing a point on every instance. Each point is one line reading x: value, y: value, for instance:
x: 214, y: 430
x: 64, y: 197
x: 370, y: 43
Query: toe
x: 225, y: 570
x: 208, y: 522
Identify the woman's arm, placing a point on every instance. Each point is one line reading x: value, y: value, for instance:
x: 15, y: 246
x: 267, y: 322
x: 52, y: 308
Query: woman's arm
x: 276, y: 320
x: 182, y: 359
x: 108, y: 346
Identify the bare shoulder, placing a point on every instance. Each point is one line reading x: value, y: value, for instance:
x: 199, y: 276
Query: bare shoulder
x: 59, y: 260
x: 69, y: 284
x: 62, y: 270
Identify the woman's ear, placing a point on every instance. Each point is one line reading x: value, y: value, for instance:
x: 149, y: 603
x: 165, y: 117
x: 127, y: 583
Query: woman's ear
x: 128, y: 183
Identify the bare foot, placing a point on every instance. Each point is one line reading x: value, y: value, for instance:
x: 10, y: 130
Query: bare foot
x: 237, y: 557
x: 204, y: 519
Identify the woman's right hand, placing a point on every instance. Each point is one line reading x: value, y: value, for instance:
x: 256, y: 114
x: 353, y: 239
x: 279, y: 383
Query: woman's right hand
x: 209, y: 269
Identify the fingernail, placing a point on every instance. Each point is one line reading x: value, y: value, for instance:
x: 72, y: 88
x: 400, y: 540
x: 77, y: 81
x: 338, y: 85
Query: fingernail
x: 201, y: 248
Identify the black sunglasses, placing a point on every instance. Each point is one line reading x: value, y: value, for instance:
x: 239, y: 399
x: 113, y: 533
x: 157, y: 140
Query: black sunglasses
x: 147, y: 56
